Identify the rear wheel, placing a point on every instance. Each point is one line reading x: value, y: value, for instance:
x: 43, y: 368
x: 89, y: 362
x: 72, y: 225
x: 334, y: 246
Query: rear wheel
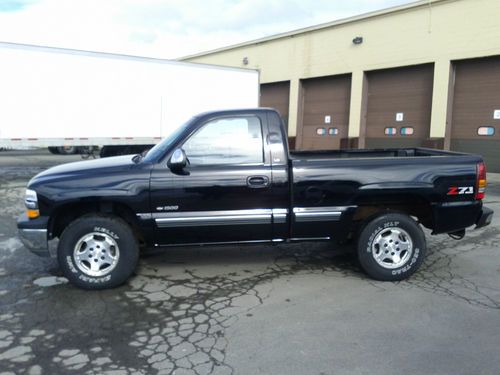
x: 98, y: 252
x: 391, y: 247
x: 67, y: 150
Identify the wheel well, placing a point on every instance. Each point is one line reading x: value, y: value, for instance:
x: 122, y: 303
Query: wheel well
x: 67, y: 213
x: 419, y: 209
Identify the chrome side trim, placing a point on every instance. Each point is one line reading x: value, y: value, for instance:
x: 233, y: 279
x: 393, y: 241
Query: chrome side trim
x: 322, y: 216
x: 309, y: 238
x: 308, y: 214
x: 320, y: 209
x: 209, y: 218
x: 214, y: 243
x: 212, y: 218
x: 280, y: 215
x: 195, y: 214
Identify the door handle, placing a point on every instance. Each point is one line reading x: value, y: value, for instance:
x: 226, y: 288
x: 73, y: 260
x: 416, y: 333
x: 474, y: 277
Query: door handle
x: 258, y: 181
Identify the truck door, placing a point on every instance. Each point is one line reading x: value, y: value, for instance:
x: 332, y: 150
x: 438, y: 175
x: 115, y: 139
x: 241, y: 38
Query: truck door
x: 224, y: 194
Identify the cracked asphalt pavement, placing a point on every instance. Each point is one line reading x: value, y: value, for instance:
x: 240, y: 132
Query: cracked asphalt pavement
x: 288, y: 309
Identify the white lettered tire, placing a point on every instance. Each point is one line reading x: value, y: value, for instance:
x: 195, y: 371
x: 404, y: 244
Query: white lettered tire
x: 391, y: 247
x: 98, y: 252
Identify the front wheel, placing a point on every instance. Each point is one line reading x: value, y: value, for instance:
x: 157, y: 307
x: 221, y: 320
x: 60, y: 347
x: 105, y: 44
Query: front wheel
x: 391, y: 247
x: 98, y: 252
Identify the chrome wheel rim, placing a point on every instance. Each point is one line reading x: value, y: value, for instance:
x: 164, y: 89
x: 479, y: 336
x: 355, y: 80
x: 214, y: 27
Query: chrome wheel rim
x: 96, y: 254
x: 392, y: 247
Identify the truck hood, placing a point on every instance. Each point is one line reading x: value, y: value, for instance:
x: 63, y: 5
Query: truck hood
x: 86, y: 168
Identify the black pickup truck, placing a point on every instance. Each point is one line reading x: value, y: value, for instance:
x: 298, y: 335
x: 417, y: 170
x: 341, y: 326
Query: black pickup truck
x: 228, y: 177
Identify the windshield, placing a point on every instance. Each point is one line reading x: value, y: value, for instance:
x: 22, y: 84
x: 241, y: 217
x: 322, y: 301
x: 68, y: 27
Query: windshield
x: 157, y: 151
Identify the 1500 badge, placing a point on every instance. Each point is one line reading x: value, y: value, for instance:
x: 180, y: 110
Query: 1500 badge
x: 459, y: 190
x: 167, y: 208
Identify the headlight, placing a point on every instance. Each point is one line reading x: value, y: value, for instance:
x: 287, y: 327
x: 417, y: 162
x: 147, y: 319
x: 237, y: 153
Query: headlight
x: 31, y: 203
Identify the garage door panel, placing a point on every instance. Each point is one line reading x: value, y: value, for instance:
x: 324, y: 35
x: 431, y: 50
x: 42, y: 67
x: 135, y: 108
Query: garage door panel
x: 488, y: 149
x: 476, y: 96
x: 403, y: 90
x: 475, y: 132
x: 325, y: 95
x: 395, y: 92
x: 392, y: 143
x: 276, y: 95
x: 319, y: 107
x: 391, y: 134
x: 477, y: 100
x: 311, y: 132
x: 477, y: 85
x: 390, y: 117
x: 321, y: 144
x: 325, y: 98
x: 388, y: 120
x: 414, y: 101
x: 471, y: 122
x: 319, y: 120
x: 413, y: 87
x: 278, y: 105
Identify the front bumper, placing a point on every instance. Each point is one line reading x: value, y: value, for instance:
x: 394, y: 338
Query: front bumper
x: 33, y: 235
x: 484, y: 218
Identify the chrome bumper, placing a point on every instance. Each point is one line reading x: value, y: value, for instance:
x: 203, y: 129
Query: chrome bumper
x: 33, y: 234
x: 35, y: 240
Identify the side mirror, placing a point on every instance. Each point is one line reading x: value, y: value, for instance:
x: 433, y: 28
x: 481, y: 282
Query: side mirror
x: 178, y: 160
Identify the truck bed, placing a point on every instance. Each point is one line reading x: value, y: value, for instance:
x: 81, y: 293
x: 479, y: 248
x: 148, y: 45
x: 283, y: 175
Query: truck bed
x: 374, y: 178
x: 371, y: 153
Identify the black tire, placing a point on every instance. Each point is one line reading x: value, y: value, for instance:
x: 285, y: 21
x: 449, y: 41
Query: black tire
x: 382, y: 247
x: 67, y: 150
x: 108, y: 151
x: 111, y: 233
x: 54, y: 150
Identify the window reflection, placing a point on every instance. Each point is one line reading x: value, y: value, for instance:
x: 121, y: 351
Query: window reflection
x: 232, y: 140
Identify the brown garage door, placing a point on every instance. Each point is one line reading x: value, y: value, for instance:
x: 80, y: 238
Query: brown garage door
x: 325, y: 112
x: 399, y: 104
x: 475, y: 122
x: 277, y: 95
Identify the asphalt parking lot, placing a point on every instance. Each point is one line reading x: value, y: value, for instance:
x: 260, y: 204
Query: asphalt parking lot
x: 301, y: 309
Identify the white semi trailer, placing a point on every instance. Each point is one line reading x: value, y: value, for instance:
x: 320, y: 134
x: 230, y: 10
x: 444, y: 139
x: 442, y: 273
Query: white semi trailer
x: 61, y: 98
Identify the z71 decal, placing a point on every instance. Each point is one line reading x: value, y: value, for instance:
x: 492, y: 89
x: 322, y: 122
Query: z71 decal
x: 460, y: 190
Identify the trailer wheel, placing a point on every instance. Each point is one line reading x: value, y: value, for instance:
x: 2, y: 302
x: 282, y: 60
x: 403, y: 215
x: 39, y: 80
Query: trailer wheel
x: 98, y: 252
x: 391, y: 247
x: 67, y: 150
x: 53, y: 150
x: 108, y: 151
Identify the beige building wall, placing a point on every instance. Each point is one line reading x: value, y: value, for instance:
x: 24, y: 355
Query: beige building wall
x: 430, y: 31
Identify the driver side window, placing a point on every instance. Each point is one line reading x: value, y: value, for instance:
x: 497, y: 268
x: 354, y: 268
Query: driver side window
x: 229, y: 140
